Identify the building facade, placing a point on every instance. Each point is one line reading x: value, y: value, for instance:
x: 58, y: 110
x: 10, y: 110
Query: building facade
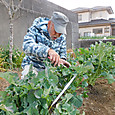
x: 95, y: 21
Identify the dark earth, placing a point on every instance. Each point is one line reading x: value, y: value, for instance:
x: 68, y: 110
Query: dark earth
x: 101, y: 100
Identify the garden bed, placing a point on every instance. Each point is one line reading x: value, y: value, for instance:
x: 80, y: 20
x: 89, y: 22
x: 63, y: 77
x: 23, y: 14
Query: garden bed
x: 101, y: 98
x: 90, y: 92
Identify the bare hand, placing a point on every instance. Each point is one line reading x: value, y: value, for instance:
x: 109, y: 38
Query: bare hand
x: 65, y: 63
x: 54, y: 57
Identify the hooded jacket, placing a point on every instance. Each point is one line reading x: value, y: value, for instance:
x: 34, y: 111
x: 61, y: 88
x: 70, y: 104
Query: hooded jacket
x: 37, y: 42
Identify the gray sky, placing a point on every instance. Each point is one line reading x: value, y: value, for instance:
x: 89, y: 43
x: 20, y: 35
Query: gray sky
x: 71, y: 4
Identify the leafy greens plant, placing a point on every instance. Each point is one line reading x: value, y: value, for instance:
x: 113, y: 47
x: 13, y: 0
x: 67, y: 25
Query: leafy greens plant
x: 34, y: 95
x: 102, y: 57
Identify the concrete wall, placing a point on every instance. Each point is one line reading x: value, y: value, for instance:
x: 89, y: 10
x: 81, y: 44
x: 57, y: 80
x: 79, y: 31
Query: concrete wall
x: 88, y: 42
x: 30, y: 10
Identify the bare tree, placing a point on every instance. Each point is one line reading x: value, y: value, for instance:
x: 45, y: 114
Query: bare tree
x: 12, y: 6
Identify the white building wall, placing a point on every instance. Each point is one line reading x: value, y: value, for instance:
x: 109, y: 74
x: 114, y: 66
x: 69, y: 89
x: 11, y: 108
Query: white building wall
x: 100, y: 15
x: 88, y: 16
x: 85, y: 17
x: 90, y: 30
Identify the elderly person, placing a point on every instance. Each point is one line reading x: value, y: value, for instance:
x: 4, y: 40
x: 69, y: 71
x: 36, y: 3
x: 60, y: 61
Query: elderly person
x: 45, y: 38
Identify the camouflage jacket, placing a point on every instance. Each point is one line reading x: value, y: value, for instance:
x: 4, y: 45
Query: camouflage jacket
x: 37, y: 42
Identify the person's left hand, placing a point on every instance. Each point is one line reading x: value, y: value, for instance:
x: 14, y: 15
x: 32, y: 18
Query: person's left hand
x: 65, y: 63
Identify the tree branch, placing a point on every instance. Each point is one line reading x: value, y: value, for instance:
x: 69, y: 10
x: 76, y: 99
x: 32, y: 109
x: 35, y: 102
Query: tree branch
x: 12, y: 5
x: 6, y: 4
x: 18, y: 6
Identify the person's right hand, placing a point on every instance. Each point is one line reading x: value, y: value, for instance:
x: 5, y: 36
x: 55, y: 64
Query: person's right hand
x: 54, y: 57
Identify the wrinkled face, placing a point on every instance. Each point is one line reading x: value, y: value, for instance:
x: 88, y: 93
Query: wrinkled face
x: 53, y: 34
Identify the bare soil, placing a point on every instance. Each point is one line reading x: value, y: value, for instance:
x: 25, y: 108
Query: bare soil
x: 101, y: 100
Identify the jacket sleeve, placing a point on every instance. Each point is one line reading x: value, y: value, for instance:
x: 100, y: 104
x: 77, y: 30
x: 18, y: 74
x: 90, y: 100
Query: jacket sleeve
x: 63, y: 51
x: 30, y: 47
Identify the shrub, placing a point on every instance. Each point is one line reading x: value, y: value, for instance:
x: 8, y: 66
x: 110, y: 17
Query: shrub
x: 16, y: 58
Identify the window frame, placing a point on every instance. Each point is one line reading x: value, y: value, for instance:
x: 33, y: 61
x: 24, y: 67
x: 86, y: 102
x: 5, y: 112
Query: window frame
x: 96, y: 31
x: 106, y: 30
x: 79, y: 17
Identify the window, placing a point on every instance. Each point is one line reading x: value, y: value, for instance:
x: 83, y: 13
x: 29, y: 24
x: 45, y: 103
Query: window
x: 97, y: 31
x: 106, y: 30
x: 101, y: 14
x: 87, y: 33
x: 79, y: 17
